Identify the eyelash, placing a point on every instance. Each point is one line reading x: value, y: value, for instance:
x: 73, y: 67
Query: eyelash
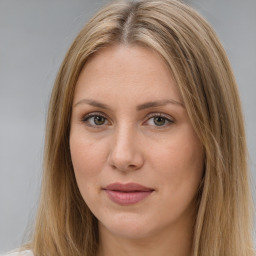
x: 167, y: 120
x: 86, y: 119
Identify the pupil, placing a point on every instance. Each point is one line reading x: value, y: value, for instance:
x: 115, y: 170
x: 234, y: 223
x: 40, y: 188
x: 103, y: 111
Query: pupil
x: 99, y: 120
x: 159, y: 121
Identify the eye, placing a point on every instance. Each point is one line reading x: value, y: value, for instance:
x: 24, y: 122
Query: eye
x: 95, y: 120
x: 159, y: 120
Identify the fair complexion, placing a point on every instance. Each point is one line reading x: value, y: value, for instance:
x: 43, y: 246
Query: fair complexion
x: 129, y: 125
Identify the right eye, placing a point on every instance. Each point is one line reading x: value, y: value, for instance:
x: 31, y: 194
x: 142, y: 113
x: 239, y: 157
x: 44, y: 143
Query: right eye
x: 95, y: 120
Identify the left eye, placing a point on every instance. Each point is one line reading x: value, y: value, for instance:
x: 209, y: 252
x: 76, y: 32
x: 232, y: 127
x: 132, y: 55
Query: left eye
x: 159, y: 121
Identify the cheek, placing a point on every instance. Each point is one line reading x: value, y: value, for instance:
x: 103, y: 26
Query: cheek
x: 180, y: 176
x: 180, y: 163
x: 87, y: 160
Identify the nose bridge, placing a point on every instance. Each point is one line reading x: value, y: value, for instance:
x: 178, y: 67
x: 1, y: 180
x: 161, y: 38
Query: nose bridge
x: 125, y: 153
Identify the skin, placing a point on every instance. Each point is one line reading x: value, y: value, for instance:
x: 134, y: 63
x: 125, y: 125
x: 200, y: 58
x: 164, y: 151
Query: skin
x: 129, y: 144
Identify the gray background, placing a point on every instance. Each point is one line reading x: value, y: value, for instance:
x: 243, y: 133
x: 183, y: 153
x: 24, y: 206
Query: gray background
x: 34, y: 36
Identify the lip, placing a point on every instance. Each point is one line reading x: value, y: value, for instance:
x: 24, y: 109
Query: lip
x: 127, y: 194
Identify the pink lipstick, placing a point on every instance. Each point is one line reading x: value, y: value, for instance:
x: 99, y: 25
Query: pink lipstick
x: 127, y: 194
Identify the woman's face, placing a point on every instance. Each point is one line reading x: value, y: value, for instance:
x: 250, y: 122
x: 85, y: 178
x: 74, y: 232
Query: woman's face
x: 137, y: 160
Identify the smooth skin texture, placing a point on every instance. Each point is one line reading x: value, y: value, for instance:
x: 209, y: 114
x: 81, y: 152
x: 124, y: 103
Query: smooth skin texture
x: 129, y: 125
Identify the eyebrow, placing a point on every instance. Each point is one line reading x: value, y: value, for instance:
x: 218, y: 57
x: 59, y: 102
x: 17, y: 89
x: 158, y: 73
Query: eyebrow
x: 150, y: 104
x: 159, y: 103
x: 93, y: 103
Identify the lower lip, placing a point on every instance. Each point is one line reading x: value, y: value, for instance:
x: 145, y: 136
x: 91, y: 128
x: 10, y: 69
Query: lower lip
x: 127, y: 198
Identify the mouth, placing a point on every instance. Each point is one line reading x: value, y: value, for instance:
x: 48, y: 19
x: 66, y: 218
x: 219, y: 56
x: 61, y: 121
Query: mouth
x: 127, y: 194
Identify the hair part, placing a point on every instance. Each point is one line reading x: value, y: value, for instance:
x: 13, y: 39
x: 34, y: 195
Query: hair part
x: 200, y: 67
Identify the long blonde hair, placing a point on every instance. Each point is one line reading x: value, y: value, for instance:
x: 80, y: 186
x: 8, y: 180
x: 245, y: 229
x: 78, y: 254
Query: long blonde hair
x: 223, y: 227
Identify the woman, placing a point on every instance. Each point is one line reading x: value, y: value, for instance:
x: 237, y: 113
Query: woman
x: 145, y: 147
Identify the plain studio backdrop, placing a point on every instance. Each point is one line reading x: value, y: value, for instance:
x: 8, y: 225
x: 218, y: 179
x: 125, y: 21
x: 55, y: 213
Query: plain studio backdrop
x: 34, y: 36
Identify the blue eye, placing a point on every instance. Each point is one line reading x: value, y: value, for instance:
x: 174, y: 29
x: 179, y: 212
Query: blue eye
x: 95, y: 120
x: 159, y: 120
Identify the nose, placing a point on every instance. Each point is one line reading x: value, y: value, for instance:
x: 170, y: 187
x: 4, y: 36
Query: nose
x: 125, y: 151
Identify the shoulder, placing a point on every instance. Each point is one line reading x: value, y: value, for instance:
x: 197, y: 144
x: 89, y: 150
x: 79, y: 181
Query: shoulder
x: 19, y: 253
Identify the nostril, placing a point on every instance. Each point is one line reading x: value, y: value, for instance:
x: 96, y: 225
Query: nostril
x: 125, y: 156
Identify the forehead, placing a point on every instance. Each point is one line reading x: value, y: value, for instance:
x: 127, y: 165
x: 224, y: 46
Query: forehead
x: 129, y: 70
x: 136, y: 59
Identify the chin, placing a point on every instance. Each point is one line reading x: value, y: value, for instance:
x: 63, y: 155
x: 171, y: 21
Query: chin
x: 128, y: 226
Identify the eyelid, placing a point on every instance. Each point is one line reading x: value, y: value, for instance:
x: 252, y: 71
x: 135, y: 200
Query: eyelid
x: 93, y: 114
x: 169, y: 118
x: 85, y: 118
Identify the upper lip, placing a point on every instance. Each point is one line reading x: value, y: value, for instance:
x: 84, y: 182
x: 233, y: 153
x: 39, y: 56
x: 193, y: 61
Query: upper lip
x: 128, y: 187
